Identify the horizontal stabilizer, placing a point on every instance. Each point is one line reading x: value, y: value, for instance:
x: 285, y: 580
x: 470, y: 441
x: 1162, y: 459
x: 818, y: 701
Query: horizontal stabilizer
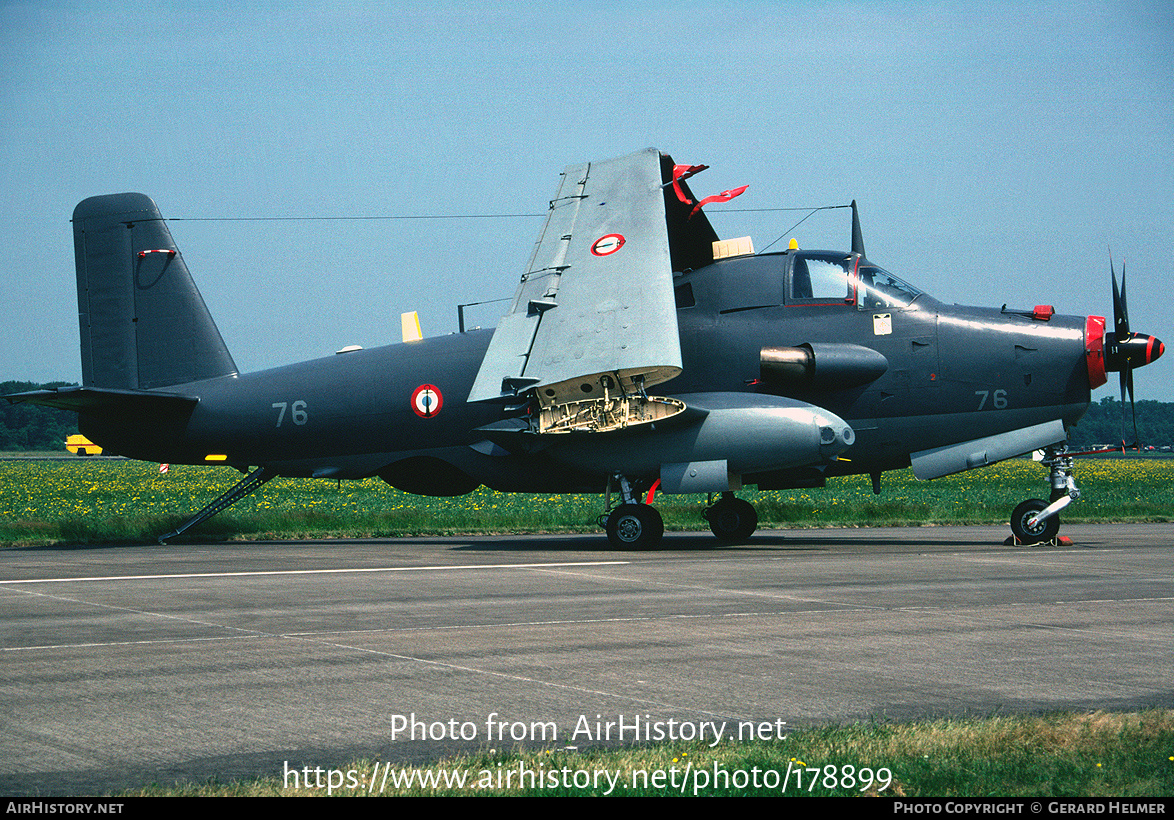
x: 100, y: 400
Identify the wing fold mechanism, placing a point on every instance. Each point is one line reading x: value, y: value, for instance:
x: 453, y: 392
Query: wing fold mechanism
x: 593, y: 323
x: 608, y: 412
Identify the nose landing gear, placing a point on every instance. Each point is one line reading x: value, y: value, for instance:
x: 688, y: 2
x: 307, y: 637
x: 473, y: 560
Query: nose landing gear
x: 1036, y: 521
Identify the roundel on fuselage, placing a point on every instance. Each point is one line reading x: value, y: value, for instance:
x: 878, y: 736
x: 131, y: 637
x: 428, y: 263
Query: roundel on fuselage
x: 427, y: 401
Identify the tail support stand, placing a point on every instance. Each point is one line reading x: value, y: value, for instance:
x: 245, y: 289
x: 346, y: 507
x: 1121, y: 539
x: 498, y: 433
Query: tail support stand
x: 246, y: 485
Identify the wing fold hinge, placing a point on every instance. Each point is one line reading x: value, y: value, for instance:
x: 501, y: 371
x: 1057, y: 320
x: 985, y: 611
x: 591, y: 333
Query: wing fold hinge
x: 514, y: 385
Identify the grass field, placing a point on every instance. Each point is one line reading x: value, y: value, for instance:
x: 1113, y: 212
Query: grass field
x: 1059, y: 755
x: 95, y: 501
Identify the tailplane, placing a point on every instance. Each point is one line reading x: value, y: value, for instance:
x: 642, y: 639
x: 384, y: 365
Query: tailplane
x: 143, y: 322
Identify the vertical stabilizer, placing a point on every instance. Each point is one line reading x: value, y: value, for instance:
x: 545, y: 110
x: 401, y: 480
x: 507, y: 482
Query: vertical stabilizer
x: 143, y: 322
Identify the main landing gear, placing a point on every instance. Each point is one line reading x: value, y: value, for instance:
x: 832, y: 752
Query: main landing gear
x: 635, y: 525
x: 632, y: 525
x: 1036, y: 521
x: 731, y: 519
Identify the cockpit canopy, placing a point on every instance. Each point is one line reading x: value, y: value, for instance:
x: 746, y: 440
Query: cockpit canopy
x: 834, y: 276
x: 795, y: 277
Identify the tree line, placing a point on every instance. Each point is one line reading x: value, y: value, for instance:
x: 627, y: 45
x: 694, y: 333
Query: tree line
x: 1102, y: 424
x: 26, y: 427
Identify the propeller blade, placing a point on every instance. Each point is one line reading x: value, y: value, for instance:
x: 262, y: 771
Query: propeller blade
x: 1127, y: 389
x: 1120, y: 311
x: 1125, y: 350
x: 1132, y: 406
x: 1123, y: 380
x: 1124, y: 299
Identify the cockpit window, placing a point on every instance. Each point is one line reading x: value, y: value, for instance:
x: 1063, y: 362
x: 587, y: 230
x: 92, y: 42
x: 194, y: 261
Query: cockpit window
x: 880, y: 289
x: 821, y: 276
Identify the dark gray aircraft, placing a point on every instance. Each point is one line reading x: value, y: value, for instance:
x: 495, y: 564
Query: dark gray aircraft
x: 776, y: 370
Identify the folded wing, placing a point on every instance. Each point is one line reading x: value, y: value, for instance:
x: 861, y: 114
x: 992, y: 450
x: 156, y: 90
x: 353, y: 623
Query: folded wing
x: 594, y: 318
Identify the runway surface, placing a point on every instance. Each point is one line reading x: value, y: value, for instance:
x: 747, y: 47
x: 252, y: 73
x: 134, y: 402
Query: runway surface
x: 123, y: 666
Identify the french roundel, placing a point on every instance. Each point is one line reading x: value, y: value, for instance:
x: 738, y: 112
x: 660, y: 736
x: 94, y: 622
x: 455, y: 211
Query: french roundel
x: 427, y: 401
x: 608, y: 244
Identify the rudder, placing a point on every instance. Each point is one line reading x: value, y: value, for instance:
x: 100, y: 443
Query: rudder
x: 143, y: 322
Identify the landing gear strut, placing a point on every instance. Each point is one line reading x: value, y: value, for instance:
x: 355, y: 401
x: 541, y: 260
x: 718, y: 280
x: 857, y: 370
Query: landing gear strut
x: 1036, y: 521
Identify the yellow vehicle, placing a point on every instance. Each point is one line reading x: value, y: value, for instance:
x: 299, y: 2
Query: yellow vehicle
x: 82, y: 446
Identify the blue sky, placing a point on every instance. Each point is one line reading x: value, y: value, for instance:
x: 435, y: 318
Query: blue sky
x: 997, y: 150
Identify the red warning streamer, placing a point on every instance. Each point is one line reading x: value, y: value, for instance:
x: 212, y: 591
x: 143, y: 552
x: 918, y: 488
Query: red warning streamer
x: 681, y: 172
x: 724, y: 196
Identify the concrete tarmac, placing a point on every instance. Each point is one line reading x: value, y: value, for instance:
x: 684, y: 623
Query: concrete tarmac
x: 124, y: 666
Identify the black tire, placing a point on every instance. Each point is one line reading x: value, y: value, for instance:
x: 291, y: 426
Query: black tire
x: 732, y: 520
x: 1041, y: 532
x: 634, y: 527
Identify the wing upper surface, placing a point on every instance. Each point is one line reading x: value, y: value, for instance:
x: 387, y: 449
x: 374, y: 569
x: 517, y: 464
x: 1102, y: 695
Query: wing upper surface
x: 596, y: 300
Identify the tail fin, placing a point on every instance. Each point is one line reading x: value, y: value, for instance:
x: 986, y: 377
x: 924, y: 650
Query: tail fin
x: 143, y: 323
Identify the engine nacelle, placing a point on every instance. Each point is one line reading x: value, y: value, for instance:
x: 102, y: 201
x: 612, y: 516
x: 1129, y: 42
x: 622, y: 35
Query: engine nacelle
x: 748, y: 432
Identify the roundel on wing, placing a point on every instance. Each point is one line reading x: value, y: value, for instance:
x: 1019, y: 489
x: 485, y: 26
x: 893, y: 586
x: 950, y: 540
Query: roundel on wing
x: 427, y: 401
x: 608, y: 244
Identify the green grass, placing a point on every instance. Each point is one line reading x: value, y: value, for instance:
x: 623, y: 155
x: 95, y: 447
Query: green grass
x: 89, y: 501
x: 1057, y: 755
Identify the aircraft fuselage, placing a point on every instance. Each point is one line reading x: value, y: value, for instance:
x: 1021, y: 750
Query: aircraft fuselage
x: 950, y: 374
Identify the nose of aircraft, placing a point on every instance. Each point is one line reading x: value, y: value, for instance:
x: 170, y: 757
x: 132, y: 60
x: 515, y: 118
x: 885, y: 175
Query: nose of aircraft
x: 1118, y: 352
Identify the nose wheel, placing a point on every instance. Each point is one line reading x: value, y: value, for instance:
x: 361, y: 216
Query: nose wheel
x: 1025, y: 531
x: 1036, y: 521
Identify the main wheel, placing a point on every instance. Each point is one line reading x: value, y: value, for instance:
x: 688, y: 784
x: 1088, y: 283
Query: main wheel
x: 1042, y: 531
x: 732, y: 520
x: 634, y: 527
